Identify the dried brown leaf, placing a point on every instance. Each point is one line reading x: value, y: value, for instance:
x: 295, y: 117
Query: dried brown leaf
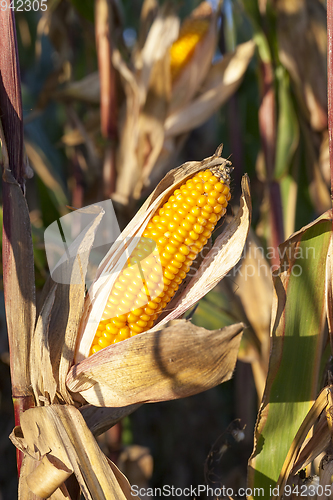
x: 60, y: 432
x: 172, y: 363
x: 100, y: 419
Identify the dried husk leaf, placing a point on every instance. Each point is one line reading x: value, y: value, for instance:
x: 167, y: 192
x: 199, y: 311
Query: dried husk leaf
x: 301, y: 29
x: 151, y: 123
x: 61, y: 432
x: 172, y: 363
x: 100, y: 419
x: 162, y: 34
x: 129, y: 116
x: 318, y: 443
x: 114, y: 260
x: 28, y: 467
x: 222, y: 81
x: 88, y: 89
x: 53, y: 344
x: 42, y: 378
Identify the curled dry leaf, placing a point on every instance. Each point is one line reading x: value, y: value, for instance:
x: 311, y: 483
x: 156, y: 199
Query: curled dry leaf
x: 58, y: 437
x: 158, y: 366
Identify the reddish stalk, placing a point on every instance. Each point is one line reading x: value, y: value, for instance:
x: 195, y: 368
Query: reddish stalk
x: 267, y: 127
x: 17, y: 253
x: 330, y: 84
x: 103, y: 15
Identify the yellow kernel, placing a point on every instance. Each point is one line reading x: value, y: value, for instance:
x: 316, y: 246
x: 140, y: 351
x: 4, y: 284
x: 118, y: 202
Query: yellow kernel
x: 213, y: 218
x: 221, y: 199
x: 191, y: 218
x: 117, y: 322
x: 213, y: 179
x: 182, y: 232
x: 197, y: 228
x: 95, y: 348
x: 207, y: 234
x: 167, y: 256
x: 228, y: 196
x: 186, y: 225
x: 176, y: 263
x: 211, y: 201
x: 103, y: 342
x: 172, y: 269
x: 168, y: 274
x: 206, y: 175
x: 219, y: 186
x: 208, y: 208
x: 180, y: 257
x: 149, y: 311
x: 208, y: 187
x: 189, y: 242
x: 124, y: 332
x: 195, y: 211
x: 218, y: 209
x: 171, y: 249
x: 144, y: 317
x: 193, y: 235
x: 112, y: 329
x: 137, y: 329
x: 199, y: 187
x: 184, y: 250
x: 201, y: 201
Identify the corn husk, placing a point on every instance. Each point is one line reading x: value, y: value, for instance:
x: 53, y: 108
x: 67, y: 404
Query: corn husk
x: 54, y: 338
x: 60, y: 434
x: 172, y: 363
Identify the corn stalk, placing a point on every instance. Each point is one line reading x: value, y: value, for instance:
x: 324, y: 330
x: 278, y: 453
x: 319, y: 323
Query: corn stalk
x: 18, y: 267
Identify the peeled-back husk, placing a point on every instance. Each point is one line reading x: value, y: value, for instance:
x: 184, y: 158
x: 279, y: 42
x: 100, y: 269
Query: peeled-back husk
x: 175, y: 362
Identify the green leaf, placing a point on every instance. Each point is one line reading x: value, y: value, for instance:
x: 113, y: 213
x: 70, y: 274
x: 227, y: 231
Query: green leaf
x: 296, y: 353
x: 287, y: 128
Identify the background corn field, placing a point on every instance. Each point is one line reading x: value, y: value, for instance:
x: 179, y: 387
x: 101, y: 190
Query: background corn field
x: 80, y: 144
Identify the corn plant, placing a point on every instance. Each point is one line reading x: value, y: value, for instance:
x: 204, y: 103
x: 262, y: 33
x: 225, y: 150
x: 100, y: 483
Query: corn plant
x: 68, y: 385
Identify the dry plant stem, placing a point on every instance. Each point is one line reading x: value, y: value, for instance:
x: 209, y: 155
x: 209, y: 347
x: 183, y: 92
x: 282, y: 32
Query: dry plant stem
x: 12, y: 149
x: 330, y: 103
x: 330, y: 83
x: 268, y: 138
x: 103, y: 16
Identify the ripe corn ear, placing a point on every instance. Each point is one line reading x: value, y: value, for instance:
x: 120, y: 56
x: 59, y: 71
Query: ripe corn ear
x: 179, y: 231
x: 181, y: 51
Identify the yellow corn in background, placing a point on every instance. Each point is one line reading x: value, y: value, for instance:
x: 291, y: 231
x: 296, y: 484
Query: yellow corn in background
x: 181, y: 51
x: 179, y: 232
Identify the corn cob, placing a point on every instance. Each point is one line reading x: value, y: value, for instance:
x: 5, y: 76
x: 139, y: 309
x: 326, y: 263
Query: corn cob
x: 179, y: 232
x: 181, y: 51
